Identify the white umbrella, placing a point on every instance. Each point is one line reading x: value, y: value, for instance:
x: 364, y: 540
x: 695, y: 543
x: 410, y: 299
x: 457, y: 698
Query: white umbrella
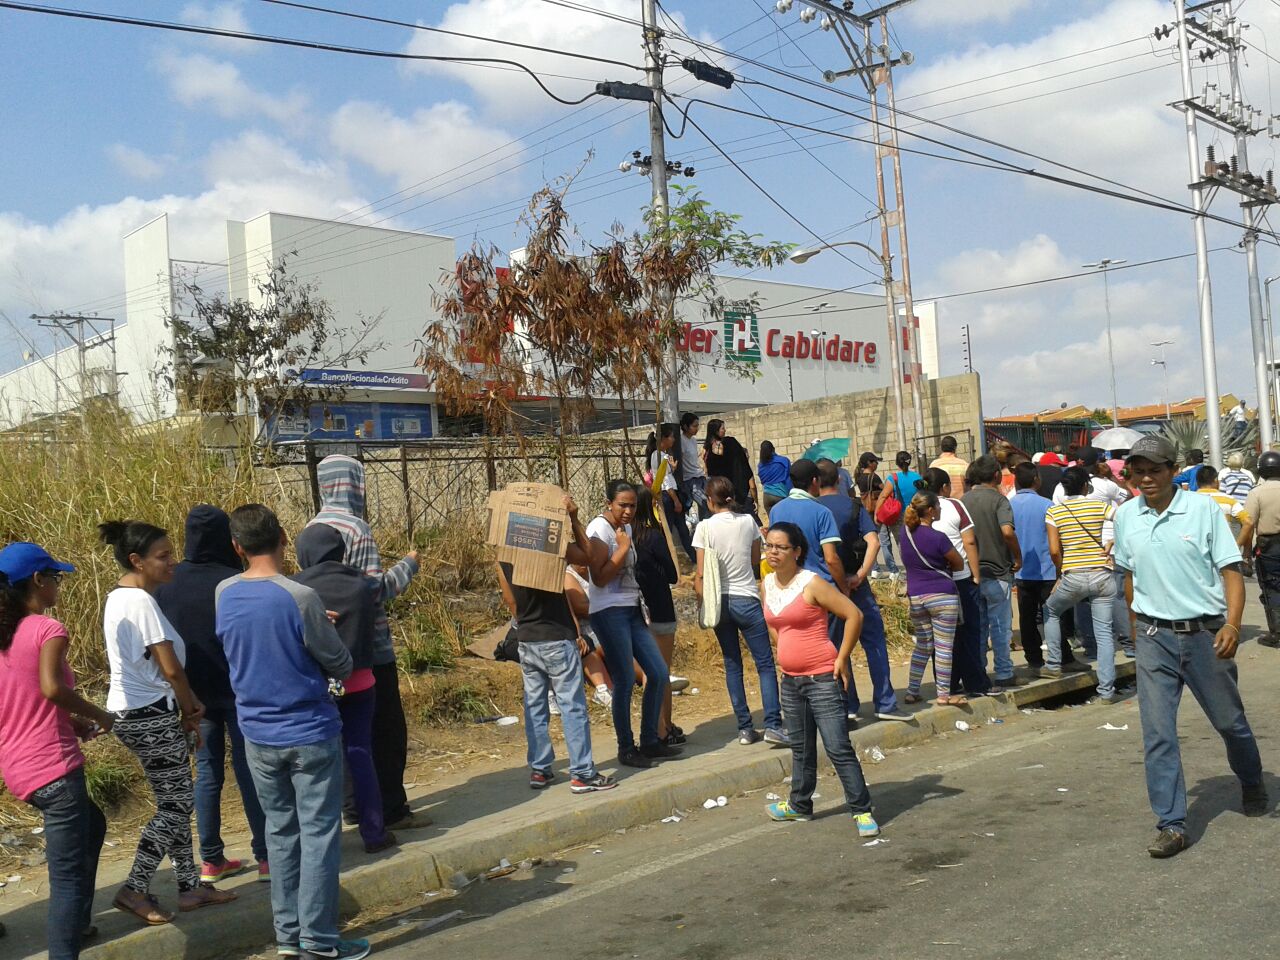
x: 1117, y: 438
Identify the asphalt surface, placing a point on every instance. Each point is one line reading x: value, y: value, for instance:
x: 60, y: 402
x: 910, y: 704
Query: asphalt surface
x: 1021, y: 839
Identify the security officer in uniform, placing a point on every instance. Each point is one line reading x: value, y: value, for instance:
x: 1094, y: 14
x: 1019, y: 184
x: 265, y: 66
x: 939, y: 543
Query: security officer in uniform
x: 1263, y: 503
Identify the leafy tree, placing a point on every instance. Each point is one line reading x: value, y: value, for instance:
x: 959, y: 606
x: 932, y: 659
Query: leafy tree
x: 244, y: 357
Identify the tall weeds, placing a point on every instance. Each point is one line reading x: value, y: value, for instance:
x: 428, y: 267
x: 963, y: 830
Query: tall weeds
x: 56, y: 492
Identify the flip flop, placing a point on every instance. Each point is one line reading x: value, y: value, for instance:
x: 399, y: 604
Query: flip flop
x: 148, y: 911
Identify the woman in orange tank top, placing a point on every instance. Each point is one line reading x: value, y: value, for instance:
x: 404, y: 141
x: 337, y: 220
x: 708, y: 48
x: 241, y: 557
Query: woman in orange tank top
x: 814, y: 674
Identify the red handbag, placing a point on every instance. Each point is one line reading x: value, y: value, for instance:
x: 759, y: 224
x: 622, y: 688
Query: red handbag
x: 890, y: 511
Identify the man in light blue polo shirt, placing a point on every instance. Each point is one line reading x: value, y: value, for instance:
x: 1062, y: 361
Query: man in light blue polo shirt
x: 1184, y: 586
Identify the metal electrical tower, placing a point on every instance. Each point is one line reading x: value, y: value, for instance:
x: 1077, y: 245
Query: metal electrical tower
x: 873, y: 63
x: 86, y: 333
x: 1214, y: 27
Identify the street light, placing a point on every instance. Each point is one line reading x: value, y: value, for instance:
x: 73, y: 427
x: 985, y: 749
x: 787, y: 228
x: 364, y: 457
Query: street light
x: 1165, y: 369
x: 891, y: 317
x: 1273, y: 390
x: 1103, y: 265
x: 818, y: 338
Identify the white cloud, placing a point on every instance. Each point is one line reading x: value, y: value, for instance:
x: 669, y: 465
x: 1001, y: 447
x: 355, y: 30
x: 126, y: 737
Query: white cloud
x: 199, y: 81
x: 412, y: 149
x: 135, y: 163
x: 949, y: 13
x: 222, y: 16
x: 511, y: 94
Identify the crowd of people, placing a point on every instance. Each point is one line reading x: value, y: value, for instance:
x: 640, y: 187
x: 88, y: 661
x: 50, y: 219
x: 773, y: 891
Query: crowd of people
x: 295, y: 676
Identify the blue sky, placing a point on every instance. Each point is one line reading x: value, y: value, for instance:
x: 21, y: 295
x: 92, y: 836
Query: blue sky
x: 107, y: 126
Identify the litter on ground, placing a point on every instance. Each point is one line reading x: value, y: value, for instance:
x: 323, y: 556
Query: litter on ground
x: 876, y: 842
x: 1111, y: 726
x: 1034, y: 766
x: 507, y: 721
x: 962, y: 725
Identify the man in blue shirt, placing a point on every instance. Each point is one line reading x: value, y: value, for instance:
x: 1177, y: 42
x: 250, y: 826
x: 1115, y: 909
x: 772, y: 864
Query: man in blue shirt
x: 1037, y: 576
x: 1183, y: 584
x: 1187, y: 478
x: 816, y: 522
x: 282, y: 652
x: 858, y: 547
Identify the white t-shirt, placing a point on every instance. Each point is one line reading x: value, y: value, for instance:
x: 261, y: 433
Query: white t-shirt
x: 622, y: 590
x: 731, y: 536
x: 132, y: 623
x: 668, y: 478
x: 953, y: 520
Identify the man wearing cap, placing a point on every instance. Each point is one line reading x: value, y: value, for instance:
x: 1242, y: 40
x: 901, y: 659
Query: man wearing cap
x: 1186, y: 592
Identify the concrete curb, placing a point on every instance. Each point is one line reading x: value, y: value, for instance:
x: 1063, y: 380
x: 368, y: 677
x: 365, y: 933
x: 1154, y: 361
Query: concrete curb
x: 427, y: 865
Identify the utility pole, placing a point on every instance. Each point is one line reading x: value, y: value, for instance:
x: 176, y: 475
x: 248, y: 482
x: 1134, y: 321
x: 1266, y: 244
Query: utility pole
x: 966, y: 343
x: 669, y: 402
x: 74, y: 327
x: 1111, y: 353
x: 1216, y: 33
x: 1164, y: 369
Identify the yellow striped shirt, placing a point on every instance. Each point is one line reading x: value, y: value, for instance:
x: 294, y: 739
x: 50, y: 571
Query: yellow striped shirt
x: 1079, y: 522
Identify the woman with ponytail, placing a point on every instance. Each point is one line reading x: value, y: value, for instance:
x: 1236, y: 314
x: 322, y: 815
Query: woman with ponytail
x: 157, y: 716
x: 930, y: 561
x: 42, y: 720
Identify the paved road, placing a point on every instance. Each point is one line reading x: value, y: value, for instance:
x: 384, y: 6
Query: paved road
x: 1024, y: 839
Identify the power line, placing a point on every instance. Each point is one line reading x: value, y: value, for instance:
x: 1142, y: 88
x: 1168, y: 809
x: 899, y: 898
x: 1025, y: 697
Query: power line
x: 292, y: 42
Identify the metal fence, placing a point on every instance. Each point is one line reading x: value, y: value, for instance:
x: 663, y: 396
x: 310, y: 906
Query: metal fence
x: 1036, y: 436
x: 433, y: 483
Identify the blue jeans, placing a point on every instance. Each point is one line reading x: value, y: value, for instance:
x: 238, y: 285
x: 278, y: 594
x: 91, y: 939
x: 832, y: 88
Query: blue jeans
x: 679, y: 529
x: 886, y: 548
x: 1095, y: 586
x: 74, y: 828
x: 1120, y: 615
x: 625, y: 636
x: 1167, y: 661
x: 555, y: 665
x: 694, y: 490
x: 968, y: 667
x: 995, y: 624
x: 874, y: 646
x: 219, y: 726
x: 745, y: 615
x: 300, y: 789
x: 814, y: 706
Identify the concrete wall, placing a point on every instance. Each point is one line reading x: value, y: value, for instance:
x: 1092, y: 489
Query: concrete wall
x: 952, y: 405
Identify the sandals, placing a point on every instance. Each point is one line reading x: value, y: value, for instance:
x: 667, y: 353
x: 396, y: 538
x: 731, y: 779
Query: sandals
x: 910, y: 697
x: 144, y: 906
x: 955, y: 700
x: 204, y: 895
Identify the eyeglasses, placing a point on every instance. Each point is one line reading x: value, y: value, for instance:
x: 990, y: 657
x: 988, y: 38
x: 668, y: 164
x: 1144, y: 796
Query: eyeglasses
x: 54, y: 575
x: 778, y: 546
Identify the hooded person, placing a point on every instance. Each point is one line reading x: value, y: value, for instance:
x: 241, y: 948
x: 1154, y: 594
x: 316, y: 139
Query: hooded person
x: 356, y: 599
x: 342, y: 498
x: 187, y: 601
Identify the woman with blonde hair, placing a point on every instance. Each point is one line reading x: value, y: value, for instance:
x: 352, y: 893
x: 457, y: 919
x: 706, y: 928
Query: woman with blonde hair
x: 930, y: 559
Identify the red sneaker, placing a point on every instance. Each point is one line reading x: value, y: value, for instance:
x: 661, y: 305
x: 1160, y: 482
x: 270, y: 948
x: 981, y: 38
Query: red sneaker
x: 264, y: 872
x: 213, y: 872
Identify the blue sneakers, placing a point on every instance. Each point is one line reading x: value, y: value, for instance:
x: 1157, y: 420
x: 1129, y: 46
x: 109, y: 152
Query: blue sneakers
x: 782, y: 812
x: 344, y: 950
x: 867, y: 826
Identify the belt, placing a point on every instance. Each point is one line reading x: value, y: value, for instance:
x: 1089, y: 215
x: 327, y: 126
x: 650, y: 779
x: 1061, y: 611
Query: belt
x: 1212, y: 624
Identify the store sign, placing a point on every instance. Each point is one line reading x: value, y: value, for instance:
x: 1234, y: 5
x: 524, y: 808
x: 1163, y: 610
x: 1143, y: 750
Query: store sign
x: 745, y: 337
x: 366, y: 379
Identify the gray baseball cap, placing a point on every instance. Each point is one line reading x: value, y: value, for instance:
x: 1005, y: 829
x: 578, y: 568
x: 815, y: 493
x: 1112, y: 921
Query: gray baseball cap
x: 1153, y: 448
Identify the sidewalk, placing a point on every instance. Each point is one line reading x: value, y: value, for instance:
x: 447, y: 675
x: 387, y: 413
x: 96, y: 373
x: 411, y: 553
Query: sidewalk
x: 487, y: 815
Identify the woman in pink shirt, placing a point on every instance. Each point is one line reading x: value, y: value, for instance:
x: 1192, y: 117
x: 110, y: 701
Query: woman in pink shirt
x: 814, y: 675
x: 42, y: 720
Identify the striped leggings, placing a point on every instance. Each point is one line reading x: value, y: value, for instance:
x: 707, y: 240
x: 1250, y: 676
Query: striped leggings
x: 933, y: 620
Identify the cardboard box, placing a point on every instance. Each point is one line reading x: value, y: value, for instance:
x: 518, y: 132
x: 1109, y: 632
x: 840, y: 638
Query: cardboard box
x: 530, y: 530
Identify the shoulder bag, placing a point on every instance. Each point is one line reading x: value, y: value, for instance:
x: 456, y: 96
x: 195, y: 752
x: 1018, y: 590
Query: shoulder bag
x: 709, y: 607
x: 890, y: 511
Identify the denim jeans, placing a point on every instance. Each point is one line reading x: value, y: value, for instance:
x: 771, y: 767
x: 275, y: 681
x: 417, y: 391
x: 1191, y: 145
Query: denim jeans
x: 886, y: 548
x: 357, y: 710
x: 874, y: 646
x: 1167, y: 661
x: 300, y: 789
x: 969, y: 669
x: 995, y: 626
x: 745, y: 615
x: 679, y: 529
x: 814, y: 706
x: 555, y: 665
x: 625, y: 636
x: 74, y: 829
x: 694, y: 490
x: 219, y: 727
x: 1120, y: 615
x: 1097, y: 587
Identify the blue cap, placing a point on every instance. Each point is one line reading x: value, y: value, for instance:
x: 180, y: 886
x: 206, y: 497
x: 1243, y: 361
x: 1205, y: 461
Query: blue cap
x: 20, y: 561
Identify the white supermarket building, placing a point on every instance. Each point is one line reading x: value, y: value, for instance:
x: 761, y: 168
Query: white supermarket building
x: 806, y: 342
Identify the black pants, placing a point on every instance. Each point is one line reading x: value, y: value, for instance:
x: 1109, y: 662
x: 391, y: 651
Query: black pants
x: 390, y: 742
x: 1267, y: 570
x: 679, y: 529
x: 1031, y: 597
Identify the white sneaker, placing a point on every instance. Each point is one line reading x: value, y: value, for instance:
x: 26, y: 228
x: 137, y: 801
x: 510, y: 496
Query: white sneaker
x: 555, y: 707
x: 602, y: 696
x: 876, y: 575
x: 676, y: 684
